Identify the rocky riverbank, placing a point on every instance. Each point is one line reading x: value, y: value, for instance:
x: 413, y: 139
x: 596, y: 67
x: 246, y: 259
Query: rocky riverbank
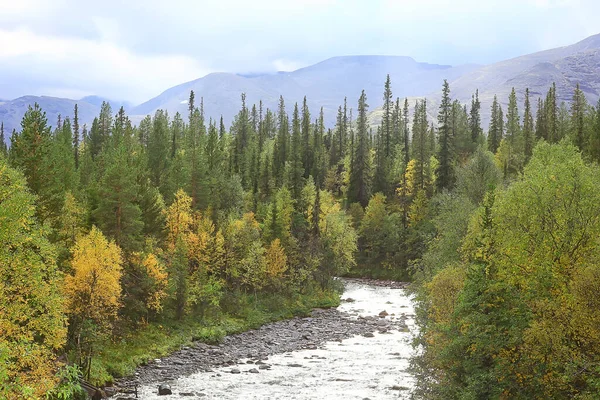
x: 249, y: 352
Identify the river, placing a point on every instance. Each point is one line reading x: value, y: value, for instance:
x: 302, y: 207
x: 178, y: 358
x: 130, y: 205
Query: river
x: 360, y: 367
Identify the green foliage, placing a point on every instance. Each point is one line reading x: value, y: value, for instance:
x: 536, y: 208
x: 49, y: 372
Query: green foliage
x: 32, y: 322
x: 520, y: 326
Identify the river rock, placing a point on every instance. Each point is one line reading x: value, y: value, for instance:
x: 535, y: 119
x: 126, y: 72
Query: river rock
x: 383, y: 314
x: 235, y: 371
x: 164, y: 390
x: 253, y: 371
x: 307, y: 332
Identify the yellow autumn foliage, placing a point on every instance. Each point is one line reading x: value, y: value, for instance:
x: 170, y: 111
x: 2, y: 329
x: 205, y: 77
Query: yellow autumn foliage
x: 157, y: 273
x: 276, y: 261
x: 94, y: 289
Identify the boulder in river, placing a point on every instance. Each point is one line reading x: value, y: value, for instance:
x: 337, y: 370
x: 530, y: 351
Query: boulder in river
x: 383, y: 314
x: 164, y: 390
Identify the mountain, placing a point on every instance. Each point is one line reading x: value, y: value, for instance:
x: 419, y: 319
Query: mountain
x: 12, y: 111
x: 115, y: 105
x: 567, y: 66
x: 324, y: 84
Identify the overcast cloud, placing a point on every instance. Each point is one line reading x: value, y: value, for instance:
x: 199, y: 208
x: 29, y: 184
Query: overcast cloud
x: 133, y: 50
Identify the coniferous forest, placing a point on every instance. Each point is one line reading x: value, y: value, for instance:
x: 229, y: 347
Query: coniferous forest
x: 120, y: 243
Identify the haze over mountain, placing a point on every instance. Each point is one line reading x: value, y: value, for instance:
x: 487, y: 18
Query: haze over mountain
x: 327, y: 83
x: 324, y: 84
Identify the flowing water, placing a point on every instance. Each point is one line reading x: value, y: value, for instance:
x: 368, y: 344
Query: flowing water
x: 357, y: 368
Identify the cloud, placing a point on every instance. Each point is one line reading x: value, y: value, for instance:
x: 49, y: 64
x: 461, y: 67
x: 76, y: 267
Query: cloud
x: 92, y: 66
x: 135, y: 49
x: 287, y: 65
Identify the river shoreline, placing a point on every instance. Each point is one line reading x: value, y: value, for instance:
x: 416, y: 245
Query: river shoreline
x: 249, y: 352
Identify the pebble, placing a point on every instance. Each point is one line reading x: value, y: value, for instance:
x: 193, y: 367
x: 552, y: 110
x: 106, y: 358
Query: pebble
x: 320, y: 327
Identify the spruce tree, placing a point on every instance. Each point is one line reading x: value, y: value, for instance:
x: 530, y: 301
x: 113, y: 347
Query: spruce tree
x: 495, y: 129
x: 158, y: 150
x: 307, y: 152
x: 475, y: 118
x: 176, y: 135
x: 406, y: 132
x: 551, y: 115
x: 320, y: 161
x: 514, y: 134
x: 30, y: 148
x: 445, y: 176
x: 578, y: 109
x: 76, y: 136
x: 528, y: 134
x: 280, y: 155
x: 118, y: 213
x: 61, y: 172
x: 386, y: 122
x: 421, y: 151
x: 3, y: 147
x: 359, y: 190
x: 541, y: 129
x: 296, y: 168
x: 337, y: 142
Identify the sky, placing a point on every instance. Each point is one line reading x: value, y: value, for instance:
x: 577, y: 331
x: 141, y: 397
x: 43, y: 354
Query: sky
x: 133, y: 50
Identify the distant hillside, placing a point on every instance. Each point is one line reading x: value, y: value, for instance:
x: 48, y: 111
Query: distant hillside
x: 11, y: 112
x: 567, y: 66
x: 324, y: 84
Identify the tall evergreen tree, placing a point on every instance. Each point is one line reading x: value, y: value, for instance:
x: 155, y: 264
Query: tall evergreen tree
x: 337, y: 142
x: 76, y: 135
x: 445, y: 176
x: 551, y: 115
x: 221, y: 128
x: 541, y: 129
x: 421, y: 150
x: 280, y: 155
x: 3, y: 147
x: 406, y: 131
x: 320, y: 162
x: 177, y: 135
x: 158, y: 150
x: 475, y: 118
x: 386, y: 122
x: 307, y: 152
x: 578, y: 109
x: 528, y: 133
x: 495, y: 129
x: 296, y: 168
x: 359, y: 190
x: 118, y: 213
x: 61, y: 173
x: 30, y: 147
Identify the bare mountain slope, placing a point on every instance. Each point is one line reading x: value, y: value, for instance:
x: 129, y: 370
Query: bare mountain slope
x: 324, y: 84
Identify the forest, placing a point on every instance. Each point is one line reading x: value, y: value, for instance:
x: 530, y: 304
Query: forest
x: 119, y: 243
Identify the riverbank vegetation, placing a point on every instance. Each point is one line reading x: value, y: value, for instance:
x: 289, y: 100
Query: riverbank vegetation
x: 506, y: 288
x: 121, y: 243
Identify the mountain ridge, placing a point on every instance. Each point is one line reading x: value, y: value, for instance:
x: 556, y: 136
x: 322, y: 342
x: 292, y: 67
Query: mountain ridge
x: 328, y: 82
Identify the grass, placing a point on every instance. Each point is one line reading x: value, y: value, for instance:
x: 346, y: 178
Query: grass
x: 155, y: 340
